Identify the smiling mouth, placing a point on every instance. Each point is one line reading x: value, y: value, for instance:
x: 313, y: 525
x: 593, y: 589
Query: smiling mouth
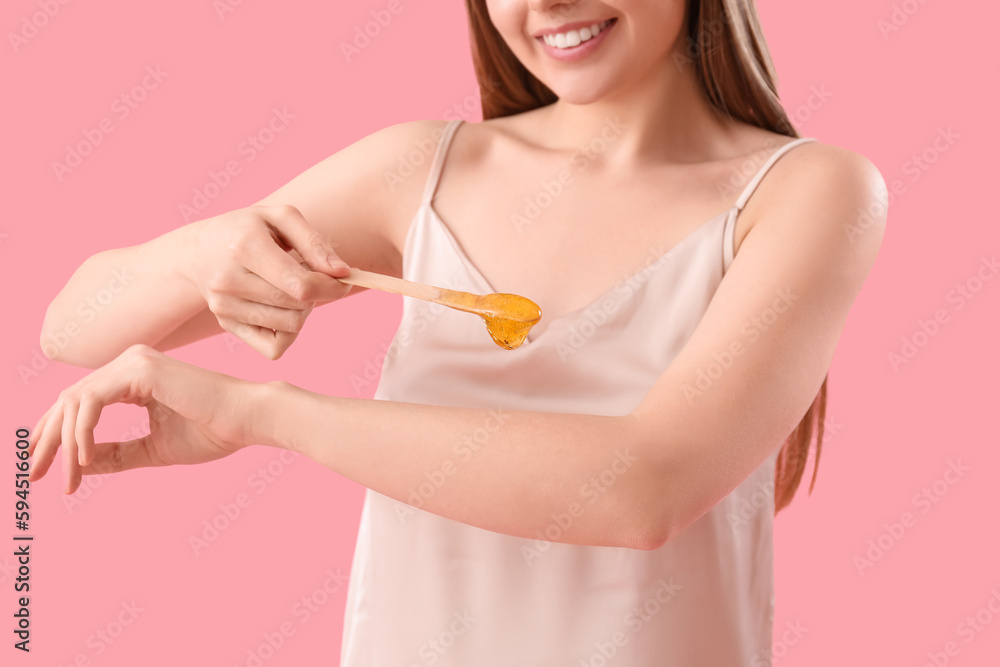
x: 573, y: 38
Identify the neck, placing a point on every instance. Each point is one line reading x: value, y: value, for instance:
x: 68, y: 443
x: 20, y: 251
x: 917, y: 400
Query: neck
x: 663, y: 116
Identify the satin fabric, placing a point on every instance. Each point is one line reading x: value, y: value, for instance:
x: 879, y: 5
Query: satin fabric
x: 426, y: 590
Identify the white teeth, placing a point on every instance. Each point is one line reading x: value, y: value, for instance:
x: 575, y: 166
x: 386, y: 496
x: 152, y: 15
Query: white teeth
x: 571, y: 38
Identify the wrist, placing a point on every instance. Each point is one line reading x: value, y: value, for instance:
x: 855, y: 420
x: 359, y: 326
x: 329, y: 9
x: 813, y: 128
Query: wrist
x: 170, y: 260
x: 187, y: 247
x: 271, y: 415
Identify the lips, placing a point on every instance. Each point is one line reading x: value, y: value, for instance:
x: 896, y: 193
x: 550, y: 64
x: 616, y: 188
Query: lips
x: 574, y: 41
x: 569, y: 37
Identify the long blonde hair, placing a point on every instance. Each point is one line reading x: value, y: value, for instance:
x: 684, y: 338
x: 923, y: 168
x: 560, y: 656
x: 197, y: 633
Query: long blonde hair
x: 726, y: 47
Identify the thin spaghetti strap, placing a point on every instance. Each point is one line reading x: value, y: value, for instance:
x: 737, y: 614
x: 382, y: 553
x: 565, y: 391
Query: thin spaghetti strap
x: 741, y: 202
x: 729, y: 231
x: 438, y: 164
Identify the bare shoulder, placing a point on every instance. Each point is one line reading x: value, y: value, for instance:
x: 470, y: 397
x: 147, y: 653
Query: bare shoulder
x: 363, y: 196
x: 825, y: 191
x: 397, y: 163
x: 400, y: 158
x: 498, y: 138
x: 478, y: 142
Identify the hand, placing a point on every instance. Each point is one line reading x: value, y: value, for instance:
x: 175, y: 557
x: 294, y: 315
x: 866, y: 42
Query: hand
x: 195, y: 416
x: 261, y: 271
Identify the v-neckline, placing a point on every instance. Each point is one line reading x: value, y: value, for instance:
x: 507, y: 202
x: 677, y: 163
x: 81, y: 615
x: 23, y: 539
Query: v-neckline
x: 576, y: 312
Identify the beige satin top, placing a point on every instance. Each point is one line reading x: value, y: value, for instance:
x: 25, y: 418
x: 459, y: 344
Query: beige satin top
x: 426, y: 590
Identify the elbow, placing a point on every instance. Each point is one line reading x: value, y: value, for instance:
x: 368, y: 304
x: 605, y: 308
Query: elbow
x: 57, y: 343
x: 64, y: 336
x: 652, y: 533
x: 51, y: 341
x: 642, y: 535
x: 653, y: 524
x: 650, y: 500
x: 53, y: 352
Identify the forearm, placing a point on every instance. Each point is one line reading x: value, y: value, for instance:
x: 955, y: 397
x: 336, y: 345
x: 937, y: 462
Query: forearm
x: 121, y: 297
x: 577, y: 479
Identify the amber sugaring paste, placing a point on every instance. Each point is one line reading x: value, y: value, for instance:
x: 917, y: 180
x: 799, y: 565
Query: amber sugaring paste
x: 508, y: 317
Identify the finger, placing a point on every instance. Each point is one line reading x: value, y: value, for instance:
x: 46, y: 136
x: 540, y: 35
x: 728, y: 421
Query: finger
x: 86, y: 422
x: 259, y: 314
x: 263, y: 257
x: 36, y: 433
x: 294, y: 230
x: 252, y: 287
x: 246, y: 285
x: 112, y: 457
x: 48, y: 443
x: 71, y: 465
x: 269, y: 343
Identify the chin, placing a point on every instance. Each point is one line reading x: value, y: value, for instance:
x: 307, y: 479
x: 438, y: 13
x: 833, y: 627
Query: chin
x: 578, y: 92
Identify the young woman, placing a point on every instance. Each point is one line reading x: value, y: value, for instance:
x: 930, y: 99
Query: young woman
x: 605, y: 491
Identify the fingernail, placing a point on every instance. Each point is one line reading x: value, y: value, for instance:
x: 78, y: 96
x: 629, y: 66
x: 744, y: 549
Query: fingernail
x: 335, y: 263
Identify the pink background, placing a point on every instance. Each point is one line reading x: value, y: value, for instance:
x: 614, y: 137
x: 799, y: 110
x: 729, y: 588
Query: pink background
x: 126, y: 538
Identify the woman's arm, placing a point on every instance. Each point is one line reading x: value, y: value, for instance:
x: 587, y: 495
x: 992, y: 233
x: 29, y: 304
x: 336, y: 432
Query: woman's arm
x: 119, y: 297
x: 222, y: 273
x: 558, y: 477
x: 778, y: 313
x: 631, y: 481
x: 153, y: 293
